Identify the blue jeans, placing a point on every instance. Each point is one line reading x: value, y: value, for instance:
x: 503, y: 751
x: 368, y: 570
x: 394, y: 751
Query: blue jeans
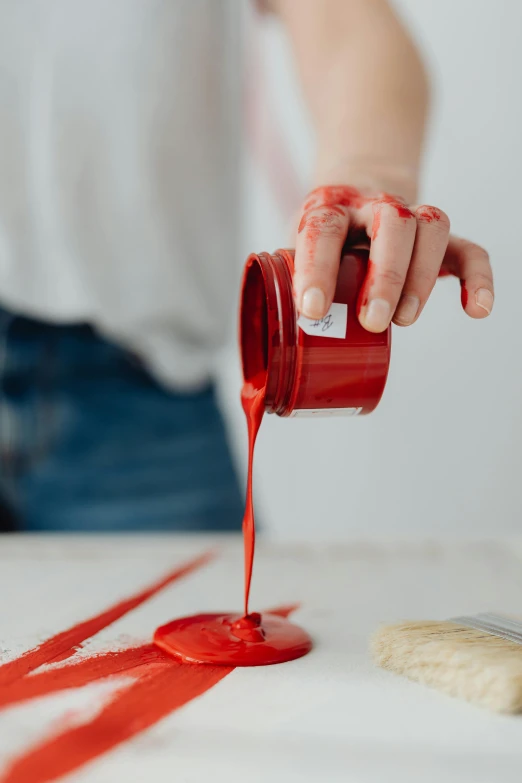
x: 90, y: 442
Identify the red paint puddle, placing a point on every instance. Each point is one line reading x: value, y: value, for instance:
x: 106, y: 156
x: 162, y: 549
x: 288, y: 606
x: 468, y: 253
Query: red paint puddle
x: 160, y: 685
x: 232, y: 639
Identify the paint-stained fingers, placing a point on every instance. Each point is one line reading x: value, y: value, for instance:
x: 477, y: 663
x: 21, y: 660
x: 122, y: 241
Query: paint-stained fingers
x: 471, y: 264
x: 320, y: 238
x: 431, y: 241
x: 393, y: 238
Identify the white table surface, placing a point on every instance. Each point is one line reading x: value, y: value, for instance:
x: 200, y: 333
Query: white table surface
x: 331, y: 716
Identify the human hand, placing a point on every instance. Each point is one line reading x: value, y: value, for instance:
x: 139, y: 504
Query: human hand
x: 410, y: 247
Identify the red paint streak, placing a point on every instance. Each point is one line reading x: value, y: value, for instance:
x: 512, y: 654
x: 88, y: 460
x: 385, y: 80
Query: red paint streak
x: 81, y: 673
x: 64, y: 644
x: 343, y: 196
x: 445, y: 272
x: 397, y: 203
x: 318, y: 225
x: 161, y: 685
x: 314, y: 228
x: 463, y: 294
x: 323, y: 220
x: 376, y: 223
x: 364, y: 294
x: 284, y: 611
x: 160, y: 689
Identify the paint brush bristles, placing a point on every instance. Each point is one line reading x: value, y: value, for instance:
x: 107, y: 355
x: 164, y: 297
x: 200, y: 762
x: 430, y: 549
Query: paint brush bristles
x: 461, y: 661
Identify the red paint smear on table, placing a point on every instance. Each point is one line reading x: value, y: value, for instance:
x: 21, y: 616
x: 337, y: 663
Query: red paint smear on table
x: 397, y: 203
x: 65, y: 644
x: 80, y: 673
x: 159, y: 690
x: 161, y: 685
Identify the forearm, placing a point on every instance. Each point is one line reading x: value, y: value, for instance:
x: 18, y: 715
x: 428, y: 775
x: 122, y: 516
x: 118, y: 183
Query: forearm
x: 366, y: 88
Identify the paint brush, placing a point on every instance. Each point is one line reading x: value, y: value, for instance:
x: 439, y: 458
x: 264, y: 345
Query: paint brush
x: 477, y: 658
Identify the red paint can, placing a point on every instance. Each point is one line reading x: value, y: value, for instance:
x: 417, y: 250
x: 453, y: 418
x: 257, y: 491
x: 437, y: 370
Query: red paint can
x: 311, y: 367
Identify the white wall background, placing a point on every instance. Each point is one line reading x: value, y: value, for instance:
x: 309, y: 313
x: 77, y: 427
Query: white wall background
x: 443, y: 452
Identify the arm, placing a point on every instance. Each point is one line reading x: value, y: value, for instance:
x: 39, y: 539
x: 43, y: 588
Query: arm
x: 367, y: 91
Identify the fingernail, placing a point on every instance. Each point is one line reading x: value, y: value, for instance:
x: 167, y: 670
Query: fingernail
x: 377, y: 315
x: 407, y: 310
x: 484, y: 299
x: 314, y: 303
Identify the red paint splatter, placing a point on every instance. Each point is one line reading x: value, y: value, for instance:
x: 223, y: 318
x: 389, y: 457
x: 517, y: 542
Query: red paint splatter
x: 317, y: 225
x: 319, y: 222
x: 65, y: 644
x: 80, y: 673
x: 429, y: 214
x: 329, y: 201
x: 463, y: 294
x: 452, y: 258
x: 335, y: 196
x: 343, y: 196
x: 397, y: 203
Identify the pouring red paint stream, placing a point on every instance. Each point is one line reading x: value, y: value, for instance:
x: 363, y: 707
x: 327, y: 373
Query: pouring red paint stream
x: 291, y: 366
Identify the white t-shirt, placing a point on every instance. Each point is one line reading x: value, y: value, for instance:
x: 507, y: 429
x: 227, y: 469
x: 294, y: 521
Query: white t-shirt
x: 120, y: 169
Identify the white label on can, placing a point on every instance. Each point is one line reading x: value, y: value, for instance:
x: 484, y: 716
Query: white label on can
x: 310, y: 412
x: 332, y: 325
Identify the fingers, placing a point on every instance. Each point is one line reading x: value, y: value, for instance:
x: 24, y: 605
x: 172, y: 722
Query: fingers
x: 409, y: 250
x: 394, y: 228
x: 320, y: 238
x: 471, y: 264
x: 431, y: 241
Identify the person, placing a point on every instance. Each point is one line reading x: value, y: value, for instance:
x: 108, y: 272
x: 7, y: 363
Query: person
x: 119, y: 202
